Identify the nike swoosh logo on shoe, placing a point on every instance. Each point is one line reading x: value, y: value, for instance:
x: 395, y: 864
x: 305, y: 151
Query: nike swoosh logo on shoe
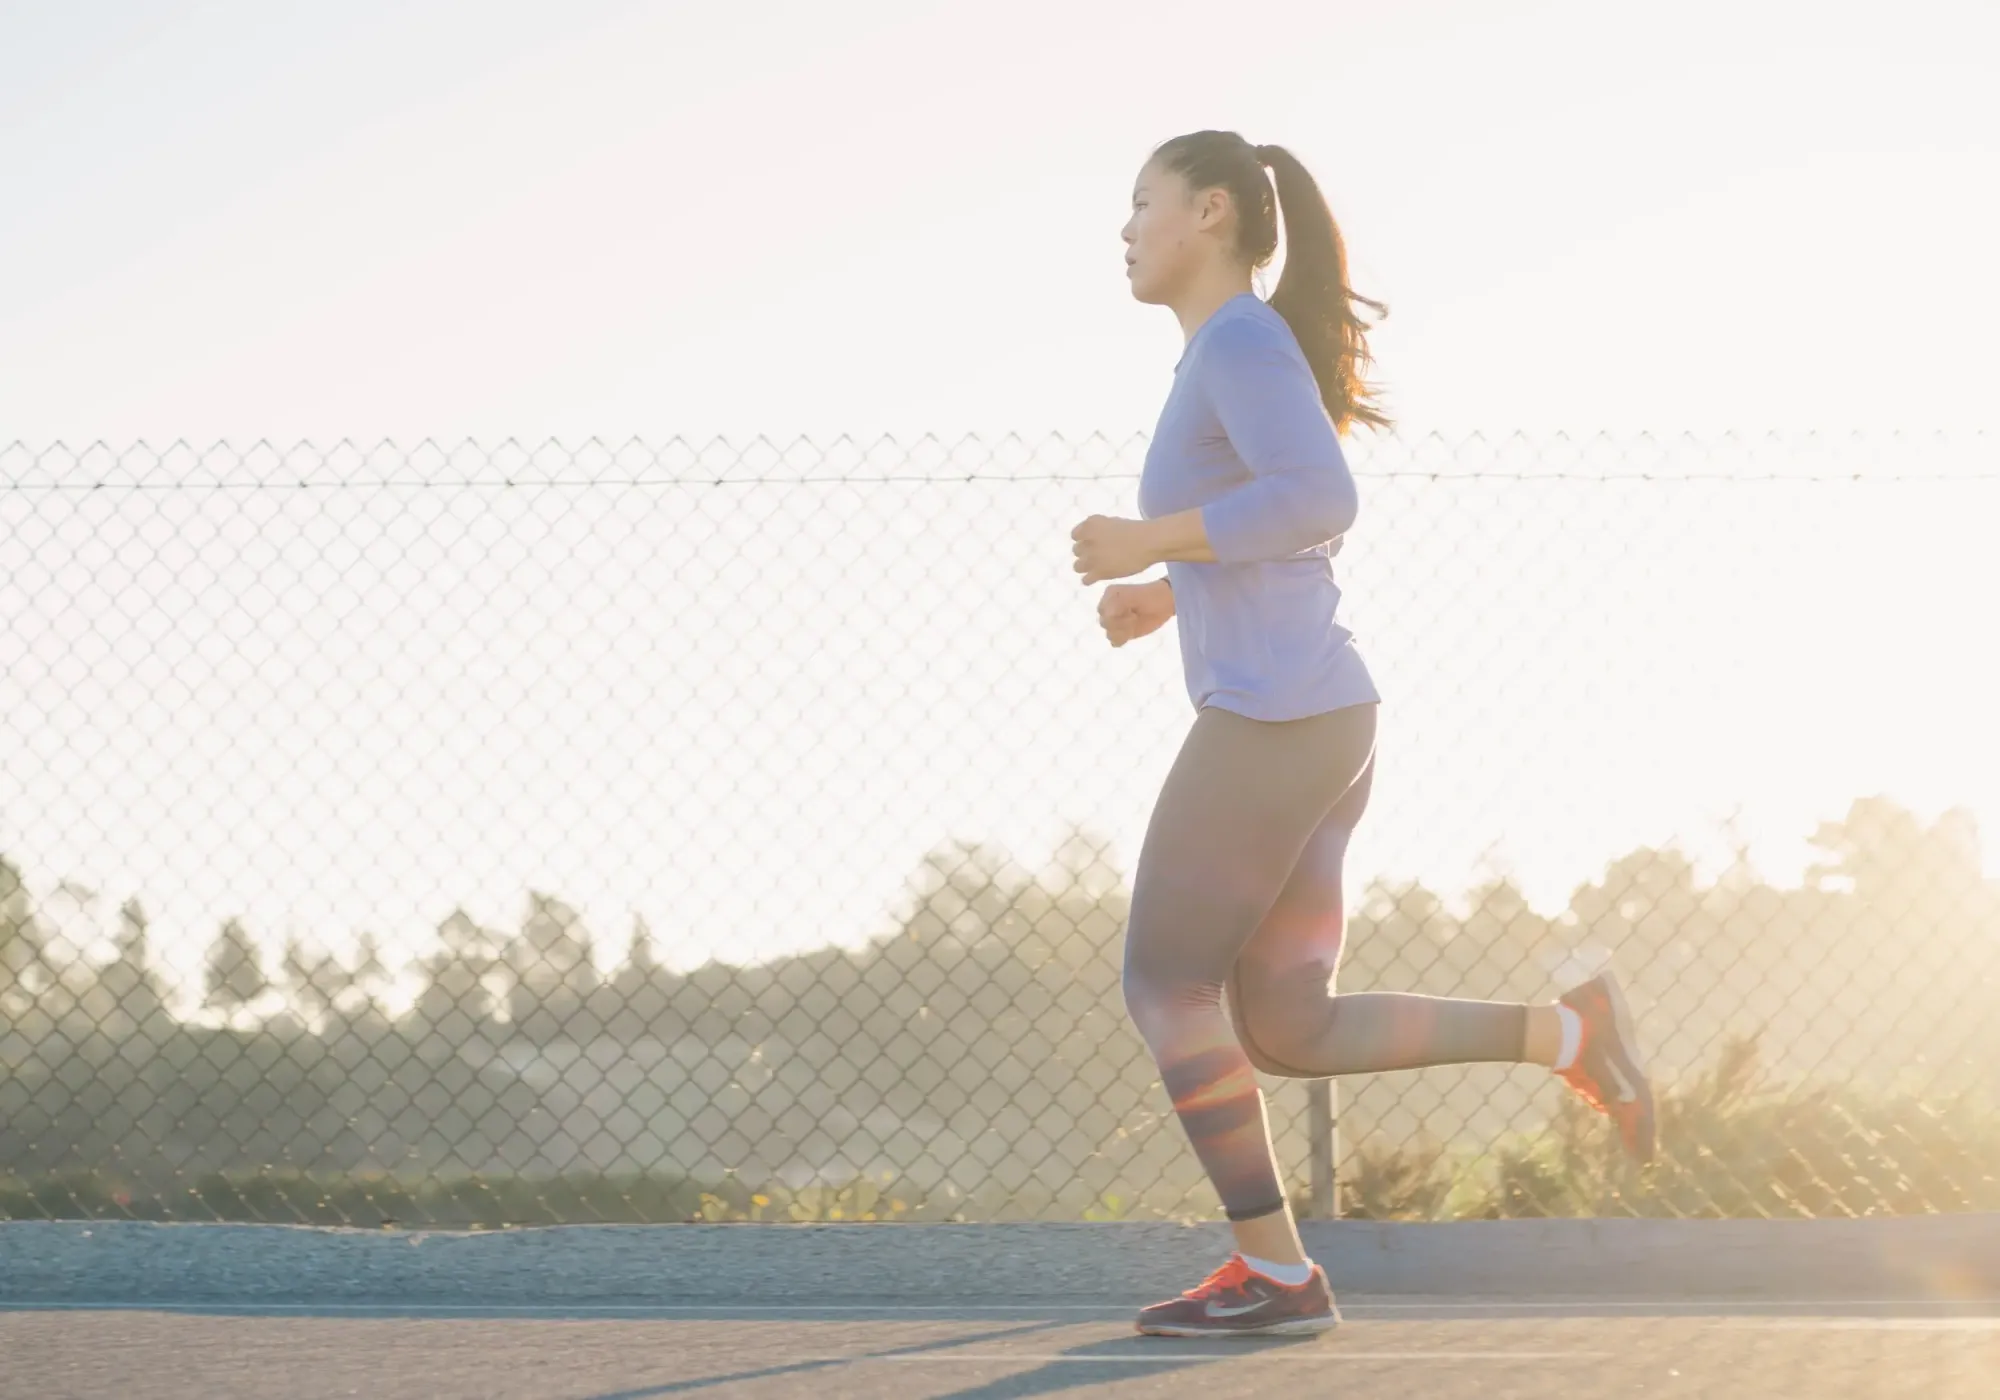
x: 1214, y: 1311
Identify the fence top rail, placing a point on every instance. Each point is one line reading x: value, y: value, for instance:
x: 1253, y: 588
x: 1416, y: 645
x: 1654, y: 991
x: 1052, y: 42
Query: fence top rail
x: 263, y: 464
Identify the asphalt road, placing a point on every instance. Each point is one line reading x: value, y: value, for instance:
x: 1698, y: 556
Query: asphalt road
x: 1400, y: 1349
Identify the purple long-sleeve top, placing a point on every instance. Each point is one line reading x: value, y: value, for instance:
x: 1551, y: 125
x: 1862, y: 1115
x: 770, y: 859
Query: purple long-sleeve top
x: 1244, y: 438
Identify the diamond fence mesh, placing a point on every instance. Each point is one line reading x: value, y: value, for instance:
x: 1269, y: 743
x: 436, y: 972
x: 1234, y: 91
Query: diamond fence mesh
x: 505, y: 835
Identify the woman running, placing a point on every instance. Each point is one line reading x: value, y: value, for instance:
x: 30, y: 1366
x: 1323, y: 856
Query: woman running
x: 1245, y: 496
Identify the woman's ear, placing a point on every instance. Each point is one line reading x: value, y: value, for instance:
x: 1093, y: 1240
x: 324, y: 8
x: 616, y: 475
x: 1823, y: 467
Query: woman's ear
x: 1211, y: 209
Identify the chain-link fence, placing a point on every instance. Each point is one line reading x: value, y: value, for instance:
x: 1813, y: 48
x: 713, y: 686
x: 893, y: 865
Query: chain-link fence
x: 720, y: 831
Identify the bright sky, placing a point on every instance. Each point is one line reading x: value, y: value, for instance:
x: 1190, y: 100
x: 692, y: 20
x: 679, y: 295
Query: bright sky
x: 492, y: 217
x: 242, y: 220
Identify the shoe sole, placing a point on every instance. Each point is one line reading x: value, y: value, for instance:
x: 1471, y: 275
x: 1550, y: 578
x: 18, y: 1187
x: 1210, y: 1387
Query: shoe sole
x: 1628, y: 1051
x: 1289, y: 1327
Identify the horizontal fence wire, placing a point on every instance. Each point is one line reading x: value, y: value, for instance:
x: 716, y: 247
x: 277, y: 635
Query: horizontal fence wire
x: 476, y: 835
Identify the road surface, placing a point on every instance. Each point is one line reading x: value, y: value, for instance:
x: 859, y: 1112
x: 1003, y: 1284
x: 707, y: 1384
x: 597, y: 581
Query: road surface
x: 1389, y: 1348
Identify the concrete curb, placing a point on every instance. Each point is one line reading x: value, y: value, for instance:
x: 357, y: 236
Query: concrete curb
x: 69, y: 1263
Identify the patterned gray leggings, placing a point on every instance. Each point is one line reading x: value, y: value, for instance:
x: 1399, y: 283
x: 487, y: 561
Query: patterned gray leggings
x: 1238, y: 896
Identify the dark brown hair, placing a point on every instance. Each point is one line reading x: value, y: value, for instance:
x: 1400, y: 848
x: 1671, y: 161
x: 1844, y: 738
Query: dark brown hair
x: 1312, y: 293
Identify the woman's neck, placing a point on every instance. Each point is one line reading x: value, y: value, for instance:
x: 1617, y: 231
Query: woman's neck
x: 1208, y: 295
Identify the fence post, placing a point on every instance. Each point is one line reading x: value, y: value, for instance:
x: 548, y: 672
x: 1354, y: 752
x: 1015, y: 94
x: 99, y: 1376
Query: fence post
x: 1323, y: 1128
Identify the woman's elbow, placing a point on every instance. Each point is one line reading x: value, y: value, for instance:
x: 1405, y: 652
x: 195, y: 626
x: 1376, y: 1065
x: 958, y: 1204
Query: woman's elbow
x: 1335, y: 507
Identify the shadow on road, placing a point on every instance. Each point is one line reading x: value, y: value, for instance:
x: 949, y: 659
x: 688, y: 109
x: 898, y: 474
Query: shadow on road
x: 1102, y: 1363
x: 823, y: 1364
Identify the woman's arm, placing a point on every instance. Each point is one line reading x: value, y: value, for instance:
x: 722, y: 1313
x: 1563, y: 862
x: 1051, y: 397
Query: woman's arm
x: 1301, y: 493
x: 1268, y: 403
x: 1180, y: 538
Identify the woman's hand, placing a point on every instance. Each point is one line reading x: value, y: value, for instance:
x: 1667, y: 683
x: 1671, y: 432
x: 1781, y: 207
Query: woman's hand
x: 1129, y: 611
x: 1108, y: 548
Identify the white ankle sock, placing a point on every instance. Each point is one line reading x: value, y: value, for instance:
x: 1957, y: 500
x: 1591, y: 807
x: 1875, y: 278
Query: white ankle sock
x: 1572, y: 1036
x: 1291, y: 1275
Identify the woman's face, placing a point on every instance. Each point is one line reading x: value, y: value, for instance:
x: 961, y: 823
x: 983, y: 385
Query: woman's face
x: 1167, y: 237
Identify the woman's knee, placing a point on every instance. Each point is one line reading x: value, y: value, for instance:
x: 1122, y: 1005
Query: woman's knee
x: 1263, y: 1060
x: 1143, y: 1003
x: 1279, y: 1025
x: 1169, y: 1009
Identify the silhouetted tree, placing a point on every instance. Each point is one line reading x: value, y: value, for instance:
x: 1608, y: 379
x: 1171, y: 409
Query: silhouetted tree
x: 313, y: 979
x: 129, y: 979
x: 22, y: 944
x: 458, y: 976
x: 235, y: 973
x: 1883, y: 853
x: 634, y: 1002
x: 641, y: 958
x: 370, y: 972
x: 551, y: 967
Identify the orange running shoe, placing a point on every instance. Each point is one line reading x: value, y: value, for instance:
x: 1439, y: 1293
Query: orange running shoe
x: 1607, y: 1072
x: 1237, y: 1301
